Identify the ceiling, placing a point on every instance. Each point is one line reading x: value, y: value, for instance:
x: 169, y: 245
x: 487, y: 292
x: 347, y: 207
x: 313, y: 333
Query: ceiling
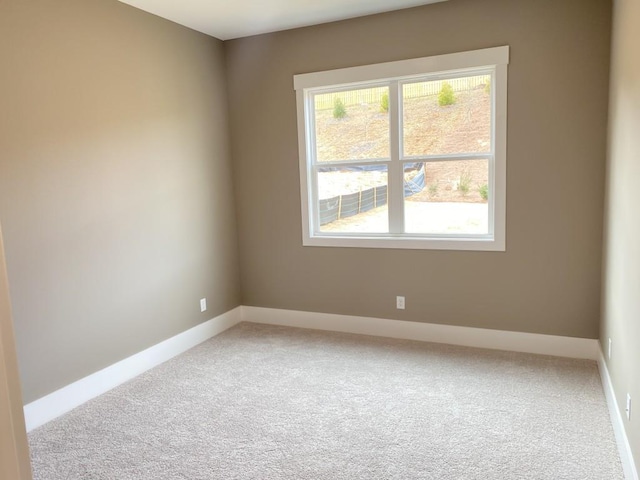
x: 227, y: 19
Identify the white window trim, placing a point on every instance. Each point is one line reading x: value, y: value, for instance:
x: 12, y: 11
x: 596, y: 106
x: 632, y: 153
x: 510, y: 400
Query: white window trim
x: 496, y: 59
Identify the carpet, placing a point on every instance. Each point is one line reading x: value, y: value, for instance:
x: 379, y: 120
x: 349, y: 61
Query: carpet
x: 268, y: 402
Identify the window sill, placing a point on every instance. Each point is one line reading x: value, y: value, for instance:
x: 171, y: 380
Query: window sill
x: 483, y: 244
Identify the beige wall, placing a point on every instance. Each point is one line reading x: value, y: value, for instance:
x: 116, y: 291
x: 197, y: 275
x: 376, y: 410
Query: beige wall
x: 14, y: 452
x: 621, y: 289
x: 548, y: 281
x: 115, y: 183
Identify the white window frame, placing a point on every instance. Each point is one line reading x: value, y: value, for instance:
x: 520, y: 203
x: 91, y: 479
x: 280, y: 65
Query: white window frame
x: 490, y: 60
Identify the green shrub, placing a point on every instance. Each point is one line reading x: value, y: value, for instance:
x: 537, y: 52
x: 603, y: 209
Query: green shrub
x: 484, y: 191
x: 384, y: 103
x: 433, y: 190
x: 446, y: 95
x: 465, y: 182
x: 487, y: 87
x: 339, y: 110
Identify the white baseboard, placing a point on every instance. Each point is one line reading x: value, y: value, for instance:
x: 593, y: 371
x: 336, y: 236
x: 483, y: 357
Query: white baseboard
x: 61, y: 401
x: 67, y: 398
x: 626, y: 456
x: 428, y: 332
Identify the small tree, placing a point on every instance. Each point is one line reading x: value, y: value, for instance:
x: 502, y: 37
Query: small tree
x: 384, y: 103
x: 446, y: 95
x: 339, y: 110
x: 484, y: 191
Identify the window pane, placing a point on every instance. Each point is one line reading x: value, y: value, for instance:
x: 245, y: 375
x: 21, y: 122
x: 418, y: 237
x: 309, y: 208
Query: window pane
x: 352, y: 125
x: 353, y: 199
x: 447, y: 116
x: 447, y: 197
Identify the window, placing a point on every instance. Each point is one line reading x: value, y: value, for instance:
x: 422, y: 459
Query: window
x: 407, y: 154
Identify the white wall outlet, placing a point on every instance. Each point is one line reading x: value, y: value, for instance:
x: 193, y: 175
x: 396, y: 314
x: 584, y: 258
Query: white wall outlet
x: 609, y: 349
x: 628, y: 410
x: 203, y: 304
x: 400, y: 303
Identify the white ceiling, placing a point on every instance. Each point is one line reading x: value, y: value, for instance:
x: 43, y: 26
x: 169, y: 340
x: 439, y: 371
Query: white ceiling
x: 227, y: 19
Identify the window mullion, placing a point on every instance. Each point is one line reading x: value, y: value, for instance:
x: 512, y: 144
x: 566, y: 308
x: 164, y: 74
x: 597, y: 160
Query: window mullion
x: 449, y: 157
x: 396, y: 177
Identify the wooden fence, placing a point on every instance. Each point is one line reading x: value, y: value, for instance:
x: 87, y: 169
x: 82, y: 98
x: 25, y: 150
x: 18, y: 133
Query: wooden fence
x: 373, y: 96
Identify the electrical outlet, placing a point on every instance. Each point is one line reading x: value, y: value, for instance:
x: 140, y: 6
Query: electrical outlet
x: 628, y: 410
x: 609, y: 349
x: 400, y: 303
x: 203, y: 304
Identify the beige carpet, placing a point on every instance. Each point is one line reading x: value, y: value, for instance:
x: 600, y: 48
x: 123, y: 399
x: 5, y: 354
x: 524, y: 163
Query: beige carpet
x: 265, y: 402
